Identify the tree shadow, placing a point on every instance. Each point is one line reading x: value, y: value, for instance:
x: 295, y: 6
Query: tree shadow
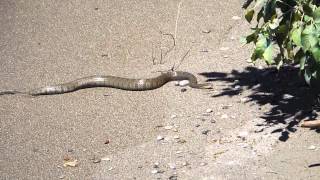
x: 290, y: 97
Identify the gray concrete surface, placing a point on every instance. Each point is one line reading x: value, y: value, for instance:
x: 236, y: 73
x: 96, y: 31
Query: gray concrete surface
x: 46, y: 42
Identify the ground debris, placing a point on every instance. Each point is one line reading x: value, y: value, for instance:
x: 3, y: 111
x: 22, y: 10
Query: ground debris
x: 107, y: 141
x: 168, y: 127
x: 96, y: 160
x: 224, y: 48
x: 181, y: 141
x: 172, y: 165
x: 236, y: 18
x: 105, y: 159
x: 311, y: 124
x: 312, y: 147
x: 243, y: 135
x: 206, y: 31
x: 183, y: 83
x: 224, y: 116
x: 70, y: 162
x: 159, y: 138
x: 203, y: 164
x: 205, y: 132
x: 173, y: 177
x: 216, y: 154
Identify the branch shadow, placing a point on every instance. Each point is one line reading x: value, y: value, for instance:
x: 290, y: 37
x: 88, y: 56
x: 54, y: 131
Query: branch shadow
x: 290, y: 97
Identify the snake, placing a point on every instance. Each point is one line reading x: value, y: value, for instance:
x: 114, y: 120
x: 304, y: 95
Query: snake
x: 128, y: 84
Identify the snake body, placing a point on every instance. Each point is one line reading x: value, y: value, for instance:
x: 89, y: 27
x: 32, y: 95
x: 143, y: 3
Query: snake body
x: 114, y: 82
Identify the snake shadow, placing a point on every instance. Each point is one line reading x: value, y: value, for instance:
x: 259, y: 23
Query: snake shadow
x: 291, y: 99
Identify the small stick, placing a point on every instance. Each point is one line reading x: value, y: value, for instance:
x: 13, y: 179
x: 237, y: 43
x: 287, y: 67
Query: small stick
x: 182, y: 59
x: 168, y: 34
x: 177, y: 19
x: 152, y: 56
x: 311, y: 124
x: 163, y: 55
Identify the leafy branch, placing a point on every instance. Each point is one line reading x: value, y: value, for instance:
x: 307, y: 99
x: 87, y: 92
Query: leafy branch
x: 286, y: 32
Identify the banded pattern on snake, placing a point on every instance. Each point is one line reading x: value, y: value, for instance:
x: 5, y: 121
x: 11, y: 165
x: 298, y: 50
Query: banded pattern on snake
x: 114, y: 82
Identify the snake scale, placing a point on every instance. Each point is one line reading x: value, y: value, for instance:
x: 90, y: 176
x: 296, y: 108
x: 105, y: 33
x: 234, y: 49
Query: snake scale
x: 114, y: 82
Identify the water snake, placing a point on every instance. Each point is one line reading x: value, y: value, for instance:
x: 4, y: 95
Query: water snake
x: 113, y: 82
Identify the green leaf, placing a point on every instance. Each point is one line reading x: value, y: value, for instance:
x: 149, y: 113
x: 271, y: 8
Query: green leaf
x: 307, y: 76
x: 268, y: 54
x: 307, y: 9
x: 316, y: 15
x: 246, y: 3
x: 301, y: 58
x: 309, y: 37
x: 302, y: 63
x: 249, y: 15
x: 261, y: 45
x: 279, y: 64
x: 282, y: 29
x: 251, y: 37
x: 296, y: 36
x: 269, y: 10
x: 308, y: 41
x: 309, y: 29
x: 260, y: 14
x: 307, y: 18
x: 296, y: 16
x: 274, y: 23
x: 316, y: 53
x: 315, y: 74
x: 262, y: 42
x: 289, y: 50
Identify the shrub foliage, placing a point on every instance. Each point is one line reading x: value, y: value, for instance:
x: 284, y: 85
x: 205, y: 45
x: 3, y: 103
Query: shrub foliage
x: 286, y: 32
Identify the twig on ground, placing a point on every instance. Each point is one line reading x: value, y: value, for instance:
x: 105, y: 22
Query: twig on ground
x: 172, y: 37
x: 163, y: 54
x: 177, y: 19
x: 182, y: 59
x: 311, y: 124
x: 220, y: 152
x: 153, y: 58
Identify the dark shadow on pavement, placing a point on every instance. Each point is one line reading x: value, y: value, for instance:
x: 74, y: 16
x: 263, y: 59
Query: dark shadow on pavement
x: 290, y: 97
